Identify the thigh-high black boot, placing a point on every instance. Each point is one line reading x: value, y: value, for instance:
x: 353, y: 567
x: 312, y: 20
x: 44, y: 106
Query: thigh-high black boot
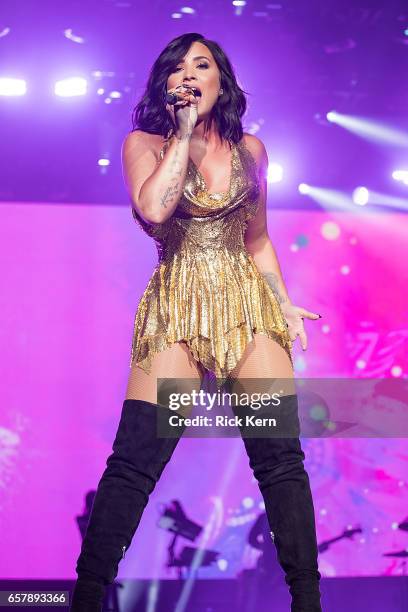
x: 277, y: 464
x: 133, y: 469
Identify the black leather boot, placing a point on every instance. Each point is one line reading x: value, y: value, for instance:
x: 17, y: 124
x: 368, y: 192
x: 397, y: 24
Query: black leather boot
x: 133, y: 469
x: 87, y: 596
x: 277, y: 464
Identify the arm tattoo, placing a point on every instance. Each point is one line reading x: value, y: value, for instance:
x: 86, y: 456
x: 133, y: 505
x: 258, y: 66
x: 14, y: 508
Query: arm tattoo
x: 175, y: 171
x: 273, y: 281
x: 169, y: 194
x: 185, y: 136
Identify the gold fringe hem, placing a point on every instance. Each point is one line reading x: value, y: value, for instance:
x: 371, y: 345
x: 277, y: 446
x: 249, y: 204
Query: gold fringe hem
x: 201, y: 349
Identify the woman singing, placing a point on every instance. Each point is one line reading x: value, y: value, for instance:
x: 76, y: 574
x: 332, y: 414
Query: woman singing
x: 215, y: 302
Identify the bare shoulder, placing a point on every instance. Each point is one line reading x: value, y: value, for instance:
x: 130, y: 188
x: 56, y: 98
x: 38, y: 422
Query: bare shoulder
x: 140, y: 154
x: 256, y: 148
x: 141, y: 141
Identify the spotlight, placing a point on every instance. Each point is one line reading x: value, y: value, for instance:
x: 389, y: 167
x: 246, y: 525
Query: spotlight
x: 331, y: 116
x: 400, y: 175
x: 275, y: 173
x: 304, y: 188
x: 67, y: 88
x: 12, y: 87
x: 360, y: 196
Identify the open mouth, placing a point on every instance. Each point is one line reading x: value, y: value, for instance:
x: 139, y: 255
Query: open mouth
x: 196, y: 91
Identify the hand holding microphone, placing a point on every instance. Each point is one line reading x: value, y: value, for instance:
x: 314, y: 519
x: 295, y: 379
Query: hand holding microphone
x: 181, y: 103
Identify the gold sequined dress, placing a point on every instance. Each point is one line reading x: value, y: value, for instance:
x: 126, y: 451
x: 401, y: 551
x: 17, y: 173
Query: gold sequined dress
x: 206, y: 289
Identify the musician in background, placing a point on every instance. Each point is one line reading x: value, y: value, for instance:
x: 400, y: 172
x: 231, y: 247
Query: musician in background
x: 260, y: 537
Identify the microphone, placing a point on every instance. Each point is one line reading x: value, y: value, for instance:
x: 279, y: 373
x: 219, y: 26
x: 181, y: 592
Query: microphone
x: 172, y: 98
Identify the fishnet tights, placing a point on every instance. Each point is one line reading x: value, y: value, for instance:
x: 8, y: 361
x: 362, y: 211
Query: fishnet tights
x: 264, y: 368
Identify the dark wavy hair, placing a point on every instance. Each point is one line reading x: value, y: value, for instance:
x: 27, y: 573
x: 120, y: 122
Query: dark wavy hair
x: 151, y: 115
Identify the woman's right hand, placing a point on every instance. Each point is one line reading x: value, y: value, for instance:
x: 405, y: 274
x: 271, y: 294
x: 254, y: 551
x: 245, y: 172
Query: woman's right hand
x: 184, y: 112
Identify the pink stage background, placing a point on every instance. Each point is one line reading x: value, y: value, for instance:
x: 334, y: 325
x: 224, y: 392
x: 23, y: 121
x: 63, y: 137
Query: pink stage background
x: 72, y: 276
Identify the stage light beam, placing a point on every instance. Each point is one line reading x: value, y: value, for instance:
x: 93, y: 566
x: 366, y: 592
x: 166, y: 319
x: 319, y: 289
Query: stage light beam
x: 361, y: 196
x: 328, y: 198
x: 400, y: 175
x: 369, y: 129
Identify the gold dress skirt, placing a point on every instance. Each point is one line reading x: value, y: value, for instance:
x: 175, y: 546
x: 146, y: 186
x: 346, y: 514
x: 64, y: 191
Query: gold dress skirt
x: 206, y: 289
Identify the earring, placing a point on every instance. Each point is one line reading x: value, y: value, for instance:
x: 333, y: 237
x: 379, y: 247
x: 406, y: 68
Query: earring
x: 221, y: 92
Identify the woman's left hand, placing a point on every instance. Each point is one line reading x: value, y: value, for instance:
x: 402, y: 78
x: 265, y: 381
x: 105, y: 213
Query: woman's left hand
x: 294, y: 316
